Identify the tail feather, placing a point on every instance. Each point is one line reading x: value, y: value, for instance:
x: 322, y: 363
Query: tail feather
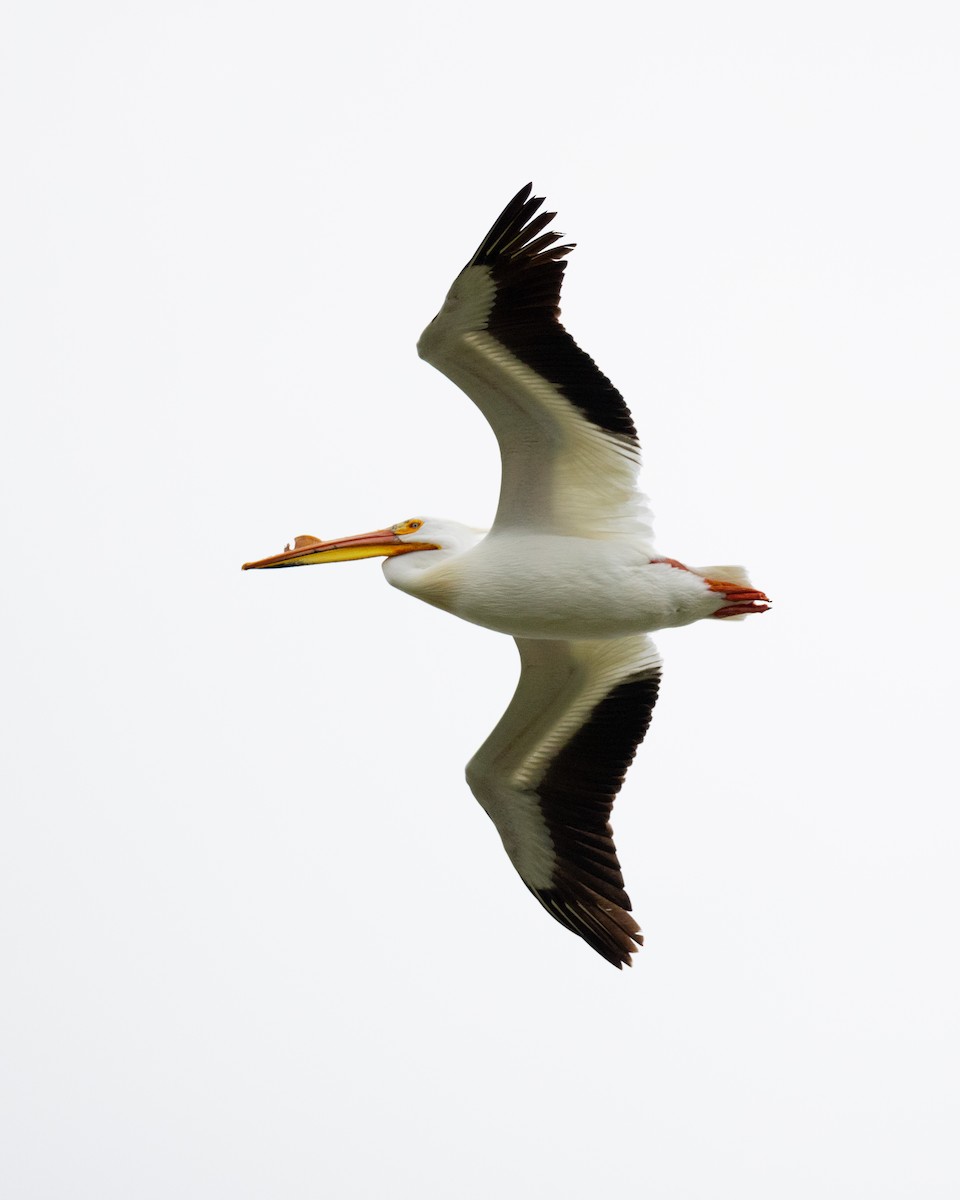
x: 726, y: 574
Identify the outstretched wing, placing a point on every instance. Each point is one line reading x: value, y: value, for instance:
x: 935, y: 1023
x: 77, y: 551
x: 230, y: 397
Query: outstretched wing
x: 567, y: 442
x: 548, y: 774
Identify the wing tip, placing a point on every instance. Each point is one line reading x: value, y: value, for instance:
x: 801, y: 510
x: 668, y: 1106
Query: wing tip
x: 513, y: 236
x: 607, y: 928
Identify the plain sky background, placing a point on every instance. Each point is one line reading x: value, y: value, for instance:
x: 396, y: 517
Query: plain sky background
x: 258, y: 939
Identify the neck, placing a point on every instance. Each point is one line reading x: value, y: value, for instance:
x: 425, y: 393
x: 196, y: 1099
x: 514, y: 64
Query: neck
x: 423, y: 572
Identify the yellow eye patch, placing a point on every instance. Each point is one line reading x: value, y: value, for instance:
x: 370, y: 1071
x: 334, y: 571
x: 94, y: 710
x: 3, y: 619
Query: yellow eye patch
x: 406, y: 527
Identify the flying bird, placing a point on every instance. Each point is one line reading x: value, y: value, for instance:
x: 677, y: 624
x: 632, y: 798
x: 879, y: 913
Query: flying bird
x: 569, y: 570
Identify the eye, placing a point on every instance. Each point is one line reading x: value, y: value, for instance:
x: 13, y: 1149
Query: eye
x: 415, y: 524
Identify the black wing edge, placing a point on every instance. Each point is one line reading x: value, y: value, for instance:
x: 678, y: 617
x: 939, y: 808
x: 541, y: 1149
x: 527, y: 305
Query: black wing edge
x: 527, y: 267
x: 576, y: 796
x: 512, y: 234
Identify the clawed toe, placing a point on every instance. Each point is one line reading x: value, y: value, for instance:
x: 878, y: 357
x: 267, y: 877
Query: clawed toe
x: 739, y: 610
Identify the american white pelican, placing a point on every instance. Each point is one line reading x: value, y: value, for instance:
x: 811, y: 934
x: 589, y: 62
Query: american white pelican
x: 569, y: 570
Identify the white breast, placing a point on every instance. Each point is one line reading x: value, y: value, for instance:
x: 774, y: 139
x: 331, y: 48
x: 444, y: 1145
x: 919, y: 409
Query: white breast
x: 541, y: 586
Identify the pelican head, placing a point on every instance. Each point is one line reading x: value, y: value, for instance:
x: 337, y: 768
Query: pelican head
x: 402, y: 538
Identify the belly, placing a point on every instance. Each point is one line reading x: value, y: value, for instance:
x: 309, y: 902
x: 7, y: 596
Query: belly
x: 554, y: 587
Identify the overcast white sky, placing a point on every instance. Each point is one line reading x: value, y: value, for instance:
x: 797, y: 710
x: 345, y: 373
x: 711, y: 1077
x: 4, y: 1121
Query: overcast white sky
x: 258, y: 938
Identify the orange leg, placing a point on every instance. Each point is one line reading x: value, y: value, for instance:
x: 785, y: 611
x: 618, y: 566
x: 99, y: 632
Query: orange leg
x: 742, y: 600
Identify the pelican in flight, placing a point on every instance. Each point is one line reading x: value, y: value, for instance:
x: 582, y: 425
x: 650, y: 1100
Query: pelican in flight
x: 569, y: 570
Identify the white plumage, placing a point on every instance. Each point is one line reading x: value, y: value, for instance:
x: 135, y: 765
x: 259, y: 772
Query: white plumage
x: 569, y: 569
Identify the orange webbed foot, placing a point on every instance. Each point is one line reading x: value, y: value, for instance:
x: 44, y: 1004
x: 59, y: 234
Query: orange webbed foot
x: 739, y: 600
